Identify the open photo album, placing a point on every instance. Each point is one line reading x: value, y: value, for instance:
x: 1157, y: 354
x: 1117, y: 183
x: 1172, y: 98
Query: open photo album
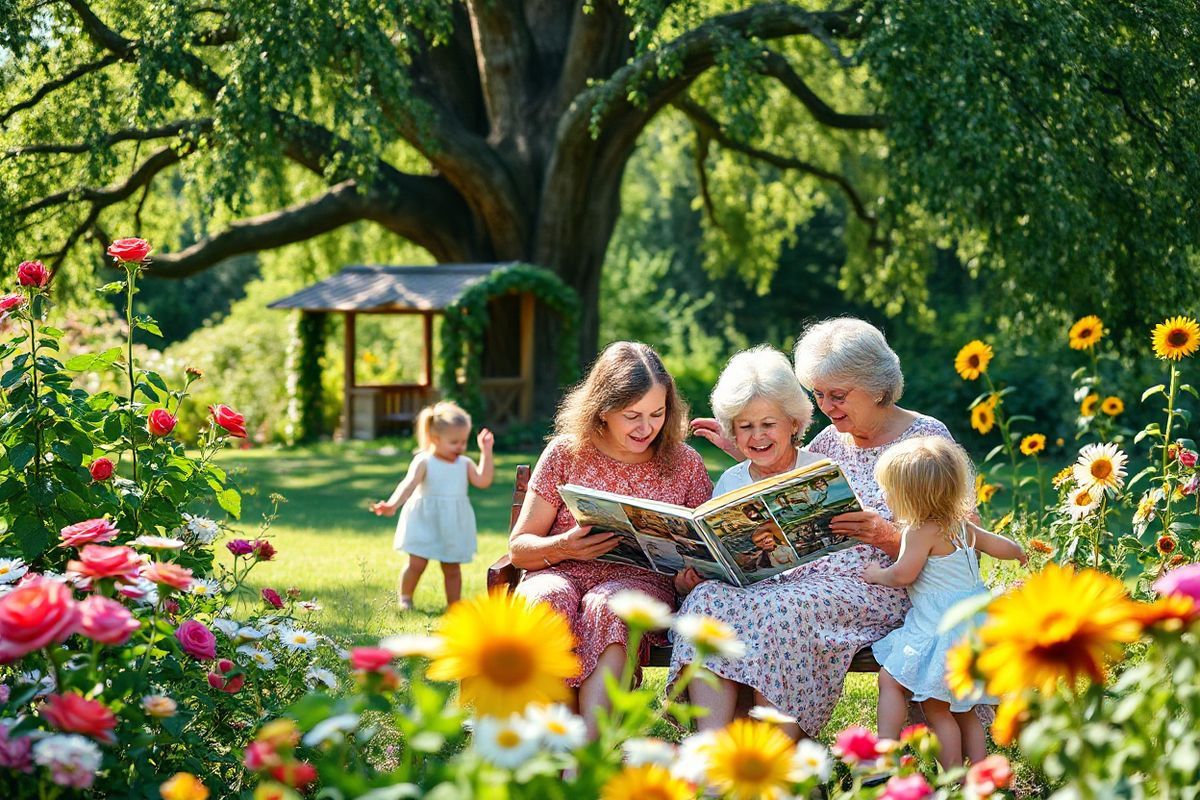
x: 740, y: 537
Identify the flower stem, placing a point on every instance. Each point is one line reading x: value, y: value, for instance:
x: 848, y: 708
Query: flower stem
x: 130, y: 288
x: 1168, y: 490
x: 33, y: 371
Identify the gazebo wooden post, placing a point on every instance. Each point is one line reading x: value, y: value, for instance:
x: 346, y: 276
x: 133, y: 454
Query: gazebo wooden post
x: 347, y: 396
x: 528, y: 308
x: 427, y: 374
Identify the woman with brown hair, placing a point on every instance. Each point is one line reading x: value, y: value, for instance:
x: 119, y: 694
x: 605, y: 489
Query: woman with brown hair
x: 620, y: 430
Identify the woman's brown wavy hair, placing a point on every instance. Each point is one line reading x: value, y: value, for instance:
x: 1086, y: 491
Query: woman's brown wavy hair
x: 620, y: 376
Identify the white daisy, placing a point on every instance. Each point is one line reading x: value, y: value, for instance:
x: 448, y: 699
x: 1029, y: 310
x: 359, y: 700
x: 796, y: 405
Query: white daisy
x: 709, y: 636
x: 72, y: 758
x: 691, y: 763
x: 644, y: 750
x: 507, y: 742
x: 158, y: 542
x: 229, y: 627
x: 12, y: 570
x: 202, y: 529
x: 206, y: 587
x: 143, y: 591
x: 331, y: 731
x: 811, y: 761
x: 1102, y: 466
x: 309, y: 605
x: 640, y: 610
x: 248, y: 634
x: 319, y: 676
x: 1147, y: 509
x: 262, y: 658
x: 772, y: 715
x: 409, y: 645
x: 1083, y: 501
x: 296, y: 639
x: 557, y: 728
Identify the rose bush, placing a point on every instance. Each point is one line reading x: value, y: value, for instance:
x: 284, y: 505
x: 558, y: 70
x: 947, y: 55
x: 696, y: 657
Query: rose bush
x: 114, y: 617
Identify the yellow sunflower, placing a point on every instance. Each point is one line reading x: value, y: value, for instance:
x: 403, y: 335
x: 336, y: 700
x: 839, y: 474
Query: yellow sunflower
x: 1033, y: 444
x: 972, y: 360
x: 1176, y: 338
x: 1169, y: 613
x: 1012, y: 713
x: 1004, y: 522
x: 1089, y: 405
x: 983, y: 418
x: 1101, y: 467
x: 1086, y: 332
x: 960, y: 670
x: 1112, y: 405
x: 984, y: 492
x: 506, y: 652
x: 1059, y: 624
x: 749, y: 759
x: 646, y: 782
x: 1062, y: 476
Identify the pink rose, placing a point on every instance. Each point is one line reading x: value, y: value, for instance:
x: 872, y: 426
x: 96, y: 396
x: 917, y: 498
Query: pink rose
x: 1187, y: 458
x: 220, y: 679
x: 90, y: 531
x: 33, y: 274
x: 129, y: 250
x: 260, y: 755
x: 229, y: 419
x: 914, y: 787
x: 101, y: 469
x: 15, y: 751
x: 370, y: 659
x: 856, y: 744
x: 197, y: 641
x: 993, y: 773
x: 1183, y: 581
x: 172, y: 575
x: 98, y: 561
x: 106, y: 621
x: 37, y: 613
x: 239, y: 547
x: 272, y: 598
x: 11, y: 302
x: 74, y: 713
x: 160, y: 422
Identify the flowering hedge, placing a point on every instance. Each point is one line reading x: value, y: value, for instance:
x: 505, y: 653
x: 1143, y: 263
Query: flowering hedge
x: 122, y: 659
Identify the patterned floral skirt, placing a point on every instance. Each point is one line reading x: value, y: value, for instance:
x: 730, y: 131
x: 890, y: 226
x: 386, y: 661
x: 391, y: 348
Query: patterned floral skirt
x: 580, y: 591
x: 801, y: 629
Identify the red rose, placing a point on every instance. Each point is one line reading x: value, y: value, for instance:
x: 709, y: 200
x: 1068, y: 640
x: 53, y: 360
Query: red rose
x: 37, y: 613
x: 106, y: 621
x: 1187, y: 457
x: 129, y: 250
x: 196, y: 640
x: 101, y: 469
x: 33, y: 273
x: 160, y: 422
x: 296, y: 774
x: 74, y: 713
x: 229, y: 419
x: 90, y: 531
x: 10, y: 302
x: 263, y: 550
x: 272, y: 597
x: 370, y: 659
x: 993, y: 773
x: 219, y: 679
x: 99, y: 561
x: 172, y: 575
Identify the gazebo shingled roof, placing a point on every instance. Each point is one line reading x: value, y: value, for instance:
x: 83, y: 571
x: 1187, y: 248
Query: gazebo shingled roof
x: 380, y: 288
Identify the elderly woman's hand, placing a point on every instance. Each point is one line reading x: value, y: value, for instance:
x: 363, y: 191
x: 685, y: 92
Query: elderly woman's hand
x: 584, y: 544
x: 708, y: 428
x: 869, y: 527
x: 686, y: 581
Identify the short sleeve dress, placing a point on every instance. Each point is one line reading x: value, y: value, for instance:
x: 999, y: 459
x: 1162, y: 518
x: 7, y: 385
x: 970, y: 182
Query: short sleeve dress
x: 802, y: 627
x: 437, y: 522
x: 580, y: 589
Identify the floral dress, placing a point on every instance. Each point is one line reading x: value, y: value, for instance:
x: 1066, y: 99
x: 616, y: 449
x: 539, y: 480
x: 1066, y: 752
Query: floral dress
x: 802, y: 628
x: 580, y: 589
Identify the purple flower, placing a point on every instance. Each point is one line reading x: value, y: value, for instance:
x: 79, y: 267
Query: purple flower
x: 240, y: 547
x: 16, y: 751
x: 272, y: 597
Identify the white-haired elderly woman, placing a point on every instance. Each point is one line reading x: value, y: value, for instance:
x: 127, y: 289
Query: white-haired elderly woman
x: 803, y: 627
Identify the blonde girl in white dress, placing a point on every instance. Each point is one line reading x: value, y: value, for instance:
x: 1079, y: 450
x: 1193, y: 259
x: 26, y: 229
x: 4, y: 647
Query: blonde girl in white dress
x: 437, y: 522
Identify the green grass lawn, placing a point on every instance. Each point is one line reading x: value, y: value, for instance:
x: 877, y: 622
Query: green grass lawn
x: 333, y: 549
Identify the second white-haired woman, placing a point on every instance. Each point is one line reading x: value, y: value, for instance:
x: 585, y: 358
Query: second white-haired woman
x: 803, y: 627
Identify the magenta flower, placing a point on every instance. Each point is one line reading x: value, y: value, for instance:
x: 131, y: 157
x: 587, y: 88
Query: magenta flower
x: 197, y: 641
x: 240, y: 547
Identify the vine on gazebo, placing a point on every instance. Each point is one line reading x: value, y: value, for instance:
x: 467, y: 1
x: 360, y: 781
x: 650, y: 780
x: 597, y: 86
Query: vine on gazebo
x: 467, y: 318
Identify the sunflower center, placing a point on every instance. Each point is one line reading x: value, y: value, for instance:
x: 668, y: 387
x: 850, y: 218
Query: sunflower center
x: 973, y: 361
x: 652, y: 793
x: 1083, y: 498
x: 1086, y: 333
x: 1101, y: 469
x: 507, y: 663
x: 1178, y: 337
x: 752, y: 768
x: 508, y: 739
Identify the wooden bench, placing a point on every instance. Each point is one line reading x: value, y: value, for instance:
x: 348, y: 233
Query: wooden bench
x: 503, y: 575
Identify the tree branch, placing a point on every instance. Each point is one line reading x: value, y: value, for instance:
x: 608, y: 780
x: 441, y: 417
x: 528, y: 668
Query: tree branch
x: 199, y: 125
x: 712, y: 128
x: 51, y: 86
x: 115, y: 193
x: 778, y: 67
x: 504, y: 57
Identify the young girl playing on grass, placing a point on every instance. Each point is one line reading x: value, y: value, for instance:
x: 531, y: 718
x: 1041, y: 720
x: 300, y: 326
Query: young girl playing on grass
x: 929, y: 486
x: 437, y: 523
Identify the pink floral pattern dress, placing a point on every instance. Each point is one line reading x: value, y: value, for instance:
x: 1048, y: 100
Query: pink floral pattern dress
x: 802, y: 627
x: 580, y: 589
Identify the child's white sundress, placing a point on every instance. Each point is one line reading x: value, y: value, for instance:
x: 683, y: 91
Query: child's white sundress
x: 915, y: 653
x: 437, y: 522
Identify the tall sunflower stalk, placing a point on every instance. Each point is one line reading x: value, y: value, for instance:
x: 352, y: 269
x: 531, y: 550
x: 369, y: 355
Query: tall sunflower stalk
x: 1174, y: 339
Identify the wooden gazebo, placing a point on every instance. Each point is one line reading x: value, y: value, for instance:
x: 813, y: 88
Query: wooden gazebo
x: 373, y: 410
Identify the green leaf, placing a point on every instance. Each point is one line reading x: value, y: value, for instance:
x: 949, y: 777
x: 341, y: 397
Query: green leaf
x: 69, y: 455
x: 147, y: 323
x: 112, y: 288
x: 32, y: 536
x: 231, y: 501
x: 94, y: 361
x: 20, y: 455
x: 1153, y: 390
x: 12, y: 377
